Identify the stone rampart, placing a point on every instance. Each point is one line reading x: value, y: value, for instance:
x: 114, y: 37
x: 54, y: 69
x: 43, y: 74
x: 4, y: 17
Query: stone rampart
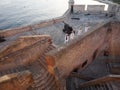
x: 95, y: 8
x: 16, y: 81
x: 79, y: 8
x: 89, y: 8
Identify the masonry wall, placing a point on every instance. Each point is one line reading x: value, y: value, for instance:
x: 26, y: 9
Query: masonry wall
x: 79, y: 8
x: 95, y: 8
x: 89, y: 8
x: 115, y: 39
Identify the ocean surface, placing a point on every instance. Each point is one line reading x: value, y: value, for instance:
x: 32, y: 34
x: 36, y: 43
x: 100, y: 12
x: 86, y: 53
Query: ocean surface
x: 16, y: 13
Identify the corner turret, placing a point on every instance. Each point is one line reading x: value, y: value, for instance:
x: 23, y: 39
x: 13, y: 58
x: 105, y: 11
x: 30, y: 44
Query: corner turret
x: 71, y: 4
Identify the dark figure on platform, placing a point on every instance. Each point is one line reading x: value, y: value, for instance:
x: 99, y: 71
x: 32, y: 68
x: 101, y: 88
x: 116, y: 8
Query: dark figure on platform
x: 67, y: 29
x: 71, y: 9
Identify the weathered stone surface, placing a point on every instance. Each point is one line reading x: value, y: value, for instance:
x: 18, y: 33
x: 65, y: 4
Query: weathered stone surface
x: 79, y: 8
x: 22, y: 42
x: 95, y: 8
x: 115, y: 39
x: 7, y: 33
x: 16, y: 81
x: 24, y: 54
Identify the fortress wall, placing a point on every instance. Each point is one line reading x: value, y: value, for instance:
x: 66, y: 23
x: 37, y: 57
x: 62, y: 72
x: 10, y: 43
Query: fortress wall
x: 89, y: 9
x: 80, y: 52
x: 95, y: 8
x: 24, y: 55
x: 115, y: 39
x: 16, y: 81
x: 79, y: 8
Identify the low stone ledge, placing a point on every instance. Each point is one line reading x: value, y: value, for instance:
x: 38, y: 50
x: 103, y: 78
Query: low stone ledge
x: 22, y: 42
x: 10, y: 32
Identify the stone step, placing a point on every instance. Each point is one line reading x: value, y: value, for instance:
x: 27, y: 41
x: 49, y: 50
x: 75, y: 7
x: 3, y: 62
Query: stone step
x: 51, y: 86
x: 48, y: 82
x: 44, y: 76
x: 109, y: 86
x: 41, y: 61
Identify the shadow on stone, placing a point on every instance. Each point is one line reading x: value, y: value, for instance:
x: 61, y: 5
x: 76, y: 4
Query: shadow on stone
x: 2, y: 39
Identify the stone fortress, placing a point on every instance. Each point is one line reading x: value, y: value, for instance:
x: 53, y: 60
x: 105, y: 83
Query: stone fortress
x: 35, y: 57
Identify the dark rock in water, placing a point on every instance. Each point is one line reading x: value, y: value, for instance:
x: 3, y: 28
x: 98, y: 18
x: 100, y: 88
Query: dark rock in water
x: 2, y: 39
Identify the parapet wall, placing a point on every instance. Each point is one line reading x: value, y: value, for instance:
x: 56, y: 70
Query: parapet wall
x: 96, y: 8
x: 79, y: 8
x: 89, y: 8
x: 111, y: 9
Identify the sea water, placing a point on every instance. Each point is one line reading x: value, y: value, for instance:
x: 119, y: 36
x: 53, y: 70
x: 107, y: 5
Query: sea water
x: 17, y: 13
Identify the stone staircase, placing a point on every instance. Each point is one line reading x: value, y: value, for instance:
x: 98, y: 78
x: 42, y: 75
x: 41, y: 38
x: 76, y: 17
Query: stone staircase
x: 43, y: 80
